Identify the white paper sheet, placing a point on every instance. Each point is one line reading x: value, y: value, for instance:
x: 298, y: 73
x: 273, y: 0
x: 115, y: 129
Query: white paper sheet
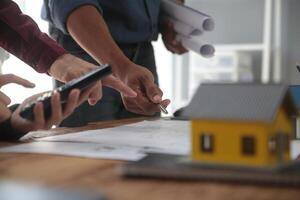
x: 187, y: 15
x: 162, y: 136
x: 128, y: 142
x: 86, y: 150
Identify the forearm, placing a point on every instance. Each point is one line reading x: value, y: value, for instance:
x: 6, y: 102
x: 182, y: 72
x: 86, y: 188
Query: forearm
x: 20, y: 35
x: 88, y: 28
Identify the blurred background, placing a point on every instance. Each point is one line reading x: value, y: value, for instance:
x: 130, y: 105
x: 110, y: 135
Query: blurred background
x: 255, y: 41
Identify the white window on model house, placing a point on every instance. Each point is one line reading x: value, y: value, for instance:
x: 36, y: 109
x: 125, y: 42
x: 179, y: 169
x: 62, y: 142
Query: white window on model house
x: 206, y: 142
x: 279, y: 142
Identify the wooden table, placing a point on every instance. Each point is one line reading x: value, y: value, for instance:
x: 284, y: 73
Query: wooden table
x: 101, y: 175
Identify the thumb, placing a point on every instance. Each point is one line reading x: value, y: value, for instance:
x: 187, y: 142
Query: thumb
x: 153, y: 92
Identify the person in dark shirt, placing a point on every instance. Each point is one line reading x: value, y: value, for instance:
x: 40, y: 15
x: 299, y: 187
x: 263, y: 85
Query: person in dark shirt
x: 118, y: 32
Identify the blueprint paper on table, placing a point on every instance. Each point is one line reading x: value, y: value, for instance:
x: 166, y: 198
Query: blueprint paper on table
x: 128, y: 142
x: 161, y: 136
x: 76, y: 149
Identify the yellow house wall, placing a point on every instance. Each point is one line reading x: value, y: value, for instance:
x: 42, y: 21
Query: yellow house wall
x: 227, y: 140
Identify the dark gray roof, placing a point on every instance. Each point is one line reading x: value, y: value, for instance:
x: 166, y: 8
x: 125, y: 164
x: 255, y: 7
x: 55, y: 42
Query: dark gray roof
x: 250, y: 102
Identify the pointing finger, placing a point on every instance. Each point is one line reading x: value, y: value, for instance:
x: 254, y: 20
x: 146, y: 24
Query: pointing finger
x: 11, y: 78
x: 118, y: 85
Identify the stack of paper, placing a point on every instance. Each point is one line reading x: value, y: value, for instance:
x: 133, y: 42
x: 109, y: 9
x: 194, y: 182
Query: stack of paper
x: 189, y: 23
x: 128, y: 142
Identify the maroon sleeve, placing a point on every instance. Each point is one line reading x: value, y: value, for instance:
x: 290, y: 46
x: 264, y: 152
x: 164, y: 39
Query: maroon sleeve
x: 20, y: 35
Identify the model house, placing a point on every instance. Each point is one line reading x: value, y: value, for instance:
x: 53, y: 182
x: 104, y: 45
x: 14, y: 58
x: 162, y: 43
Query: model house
x: 241, y: 124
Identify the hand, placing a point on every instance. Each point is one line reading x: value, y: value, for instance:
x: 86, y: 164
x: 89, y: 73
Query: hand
x: 5, y: 113
x: 169, y: 38
x: 88, y: 28
x: 148, y: 96
x: 57, y: 112
x: 69, y: 67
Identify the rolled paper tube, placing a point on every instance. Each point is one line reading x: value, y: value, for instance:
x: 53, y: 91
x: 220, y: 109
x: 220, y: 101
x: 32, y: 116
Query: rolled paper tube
x: 187, y: 15
x: 205, y: 50
x: 184, y: 29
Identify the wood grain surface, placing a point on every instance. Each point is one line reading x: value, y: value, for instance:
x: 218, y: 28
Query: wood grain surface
x: 102, y: 176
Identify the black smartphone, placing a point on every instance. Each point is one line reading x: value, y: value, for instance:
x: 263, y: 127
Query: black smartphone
x: 80, y: 83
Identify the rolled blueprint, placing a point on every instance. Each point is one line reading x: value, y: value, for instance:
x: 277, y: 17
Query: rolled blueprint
x: 184, y: 29
x: 205, y: 50
x: 187, y: 15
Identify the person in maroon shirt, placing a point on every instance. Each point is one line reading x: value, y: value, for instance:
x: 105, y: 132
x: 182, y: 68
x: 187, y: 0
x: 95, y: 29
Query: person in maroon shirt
x: 20, y: 35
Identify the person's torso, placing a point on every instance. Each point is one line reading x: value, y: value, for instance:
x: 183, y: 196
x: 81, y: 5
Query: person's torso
x: 130, y: 21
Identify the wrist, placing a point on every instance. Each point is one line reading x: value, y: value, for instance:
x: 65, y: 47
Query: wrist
x: 120, y: 66
x: 54, y: 70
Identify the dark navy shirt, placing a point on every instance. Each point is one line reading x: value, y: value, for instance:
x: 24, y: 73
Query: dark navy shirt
x: 129, y: 21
